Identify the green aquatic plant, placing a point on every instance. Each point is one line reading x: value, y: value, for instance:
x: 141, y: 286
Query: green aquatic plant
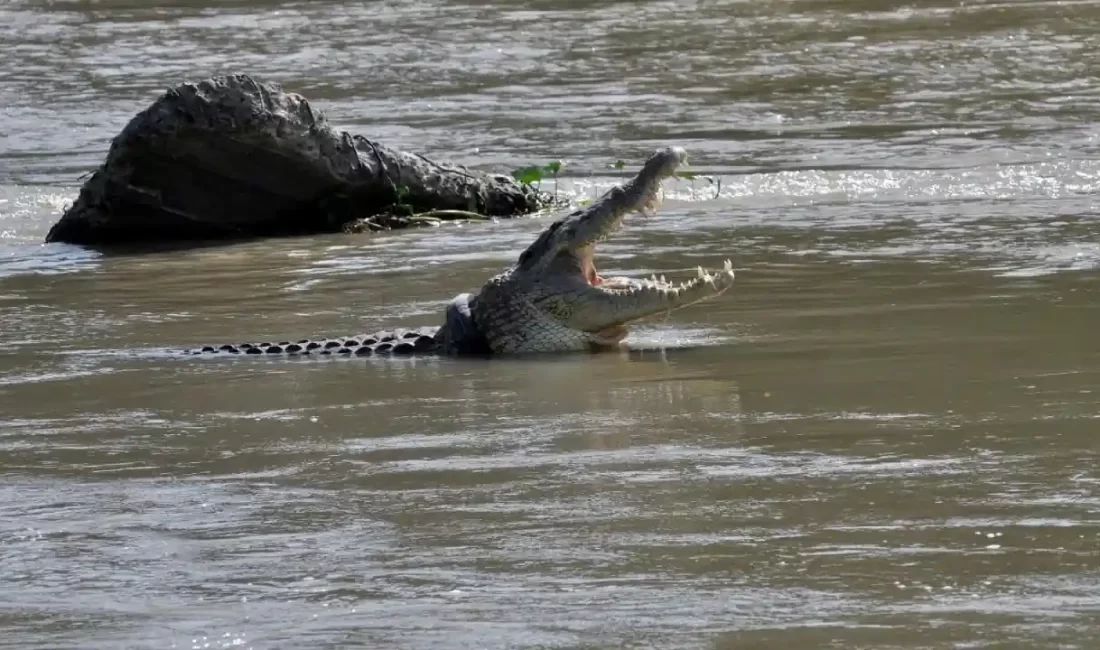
x: 533, y: 174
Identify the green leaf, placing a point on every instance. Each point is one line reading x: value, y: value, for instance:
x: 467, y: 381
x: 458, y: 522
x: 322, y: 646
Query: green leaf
x: 553, y: 167
x: 529, y: 174
x: 619, y: 164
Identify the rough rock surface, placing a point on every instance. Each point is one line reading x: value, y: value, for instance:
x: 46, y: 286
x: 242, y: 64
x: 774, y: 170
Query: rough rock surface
x: 231, y: 157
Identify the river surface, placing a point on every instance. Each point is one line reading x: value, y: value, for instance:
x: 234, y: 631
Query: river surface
x: 886, y: 435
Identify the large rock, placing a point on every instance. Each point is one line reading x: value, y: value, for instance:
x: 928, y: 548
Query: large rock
x: 232, y: 157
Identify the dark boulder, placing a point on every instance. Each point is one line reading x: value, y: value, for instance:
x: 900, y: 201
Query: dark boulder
x: 232, y: 157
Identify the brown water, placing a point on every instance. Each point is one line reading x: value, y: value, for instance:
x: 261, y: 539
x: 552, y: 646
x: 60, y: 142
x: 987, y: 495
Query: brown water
x: 884, y: 436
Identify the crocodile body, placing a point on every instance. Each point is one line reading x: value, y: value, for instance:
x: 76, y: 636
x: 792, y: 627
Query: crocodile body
x: 551, y: 300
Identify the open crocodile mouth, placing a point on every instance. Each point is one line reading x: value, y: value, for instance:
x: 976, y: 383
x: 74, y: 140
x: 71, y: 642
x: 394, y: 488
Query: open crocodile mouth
x: 588, y: 267
x: 587, y: 254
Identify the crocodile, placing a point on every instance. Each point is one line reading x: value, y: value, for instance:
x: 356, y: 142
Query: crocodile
x: 551, y: 300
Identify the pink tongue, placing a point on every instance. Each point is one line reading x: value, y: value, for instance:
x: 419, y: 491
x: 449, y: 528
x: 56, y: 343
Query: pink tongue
x: 590, y: 275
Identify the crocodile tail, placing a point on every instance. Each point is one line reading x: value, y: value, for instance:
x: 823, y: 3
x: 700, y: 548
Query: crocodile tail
x: 399, y: 342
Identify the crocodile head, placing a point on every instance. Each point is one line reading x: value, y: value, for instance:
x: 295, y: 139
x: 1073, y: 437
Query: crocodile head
x: 570, y: 242
x: 554, y: 300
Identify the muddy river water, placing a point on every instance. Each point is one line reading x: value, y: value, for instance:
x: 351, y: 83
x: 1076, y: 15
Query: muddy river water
x: 885, y: 435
